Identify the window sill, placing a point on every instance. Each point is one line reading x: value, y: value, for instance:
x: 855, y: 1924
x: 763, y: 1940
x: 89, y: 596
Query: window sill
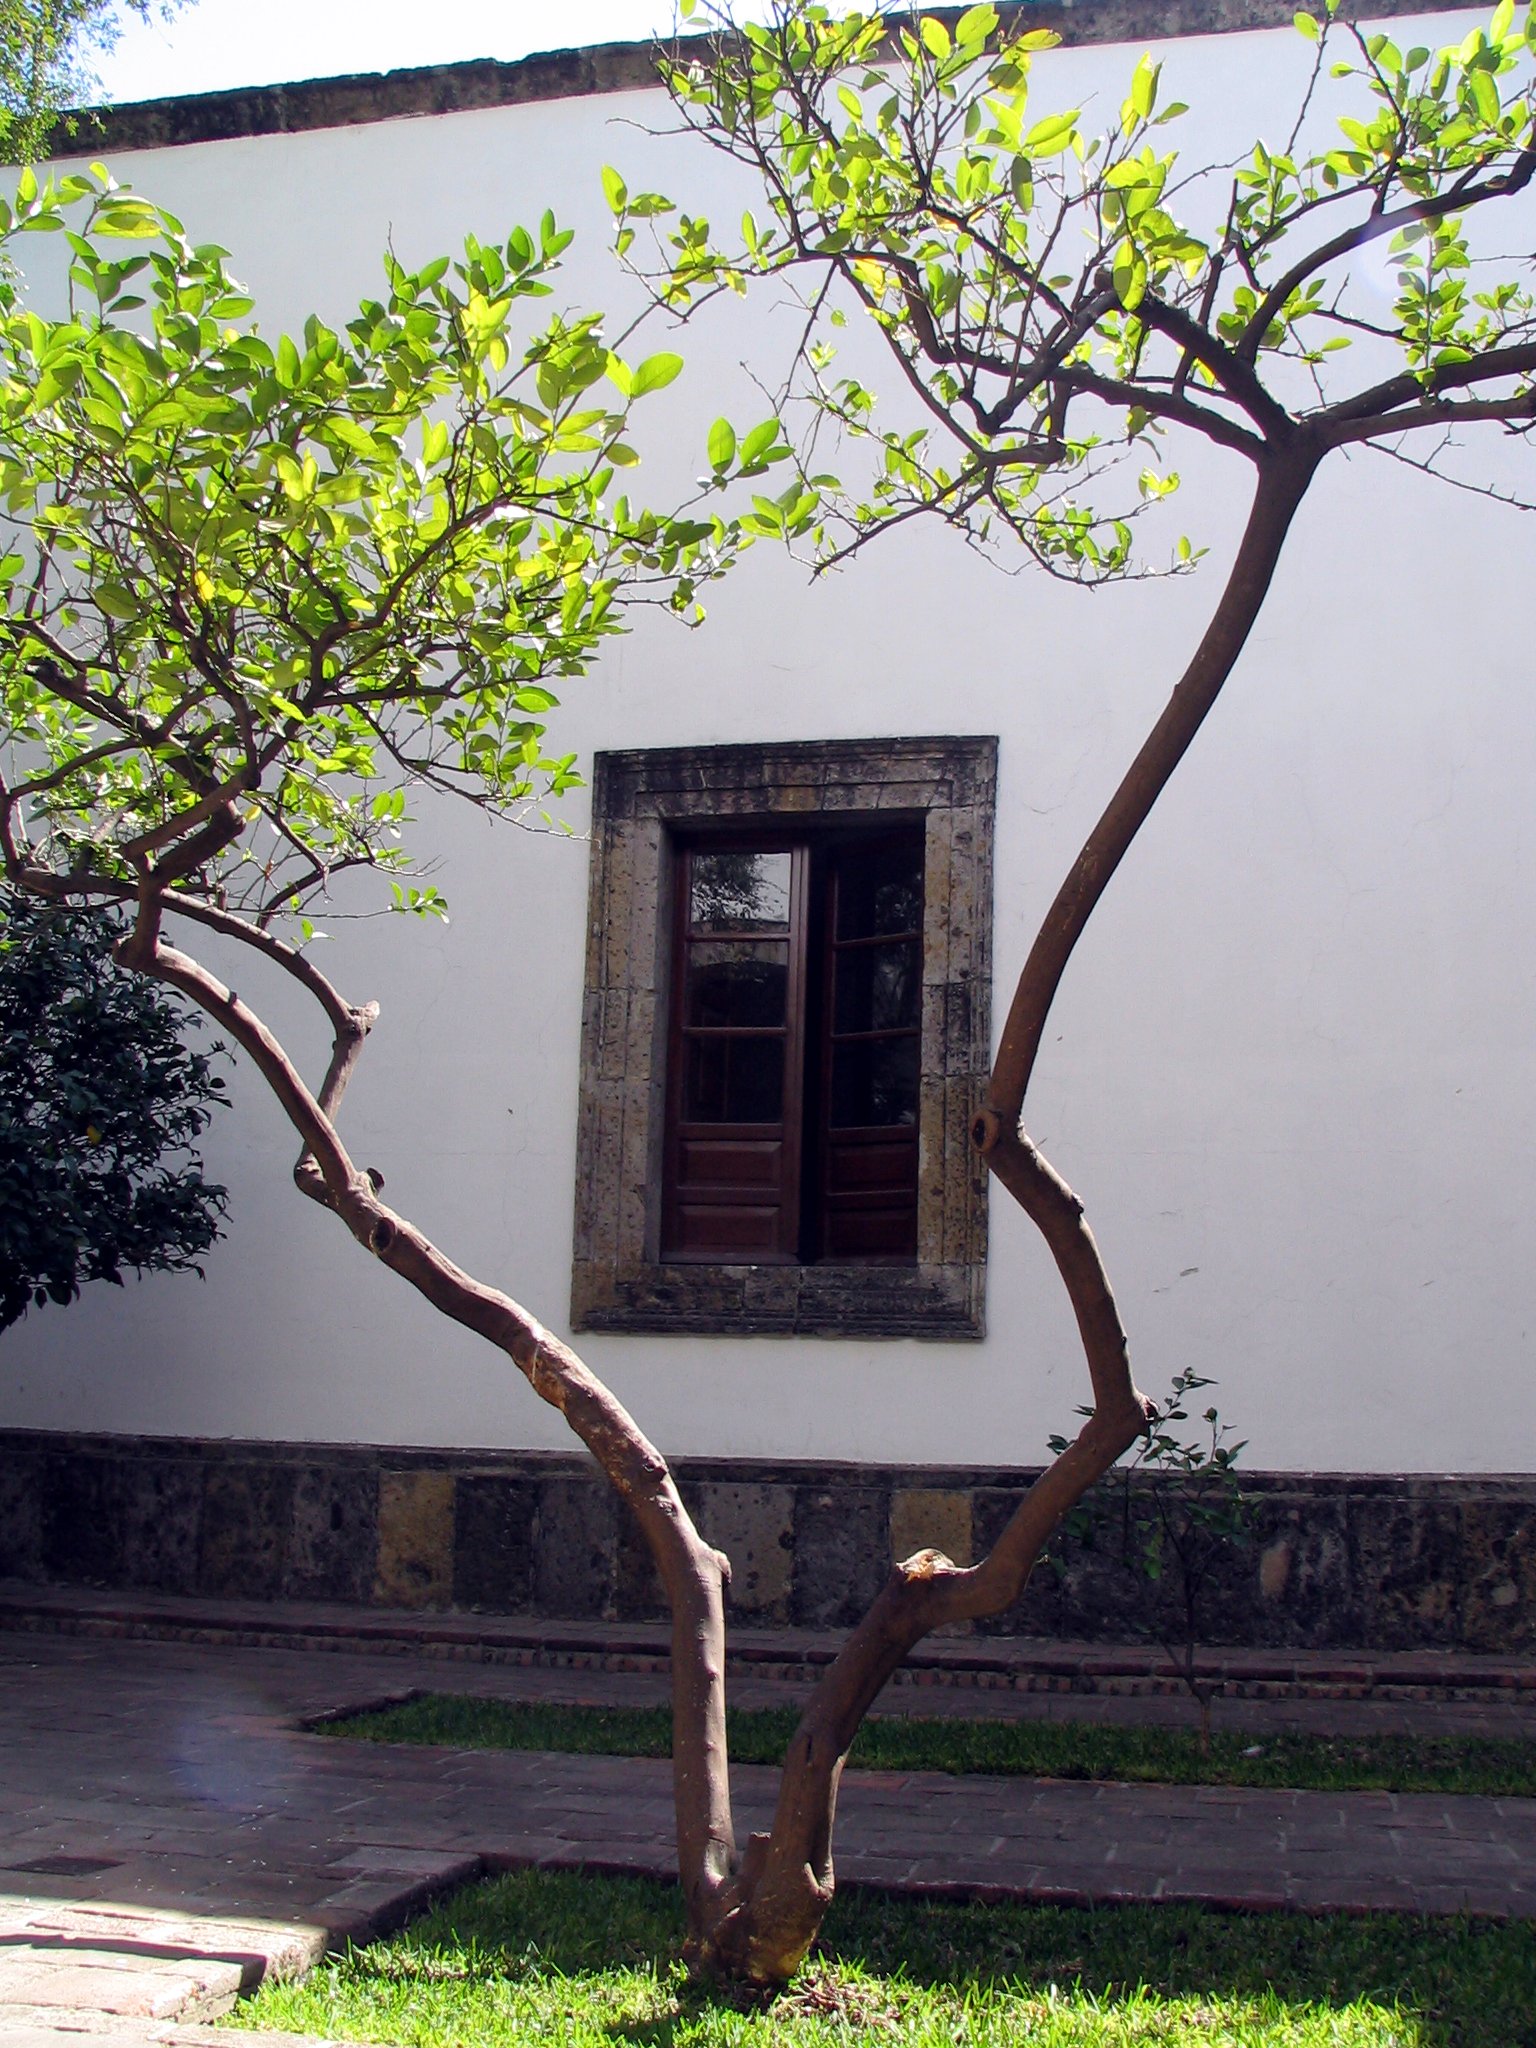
x: 937, y: 1302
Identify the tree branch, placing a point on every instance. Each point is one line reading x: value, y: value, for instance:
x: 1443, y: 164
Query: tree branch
x: 1457, y: 200
x: 1283, y: 479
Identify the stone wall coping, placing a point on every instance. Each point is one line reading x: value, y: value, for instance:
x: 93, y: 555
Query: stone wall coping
x: 365, y: 97
x: 799, y: 1472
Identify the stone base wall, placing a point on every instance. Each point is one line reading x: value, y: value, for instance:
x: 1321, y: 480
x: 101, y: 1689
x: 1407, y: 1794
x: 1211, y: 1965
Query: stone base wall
x: 1331, y: 1559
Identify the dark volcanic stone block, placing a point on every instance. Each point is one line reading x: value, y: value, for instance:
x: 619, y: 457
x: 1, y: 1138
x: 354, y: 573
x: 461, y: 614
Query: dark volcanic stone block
x: 1298, y: 1587
x: 21, y: 1513
x: 1498, y: 1559
x: 1406, y: 1554
x: 83, y: 1519
x: 493, y: 1543
x: 991, y: 1507
x: 247, y: 1512
x: 575, y: 1546
x: 162, y: 1522
x: 842, y: 1553
x: 637, y: 1592
x: 333, y: 1538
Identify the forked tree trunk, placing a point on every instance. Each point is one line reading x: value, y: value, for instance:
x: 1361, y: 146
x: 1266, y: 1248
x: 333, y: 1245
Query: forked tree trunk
x: 755, y: 1915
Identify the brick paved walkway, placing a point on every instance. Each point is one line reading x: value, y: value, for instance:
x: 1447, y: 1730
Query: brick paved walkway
x: 169, y: 1831
x: 1333, y: 1691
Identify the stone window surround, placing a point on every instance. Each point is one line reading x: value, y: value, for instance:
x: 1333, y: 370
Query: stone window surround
x: 639, y: 798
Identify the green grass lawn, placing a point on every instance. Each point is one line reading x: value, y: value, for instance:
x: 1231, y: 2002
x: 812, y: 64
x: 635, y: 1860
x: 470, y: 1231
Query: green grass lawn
x: 540, y: 1956
x: 1052, y: 1749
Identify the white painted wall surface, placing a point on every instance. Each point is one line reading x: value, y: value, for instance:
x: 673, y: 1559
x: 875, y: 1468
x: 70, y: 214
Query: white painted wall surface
x: 1291, y: 1070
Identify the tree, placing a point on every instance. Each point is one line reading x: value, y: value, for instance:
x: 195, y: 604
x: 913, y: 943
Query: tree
x: 1055, y: 301
x: 101, y: 1102
x: 245, y: 621
x: 45, y: 63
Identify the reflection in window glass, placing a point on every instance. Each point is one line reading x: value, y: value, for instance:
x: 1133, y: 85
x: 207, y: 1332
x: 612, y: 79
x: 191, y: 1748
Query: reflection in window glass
x: 877, y: 988
x: 739, y: 892
x: 738, y: 985
x: 735, y: 1081
x: 874, y: 1083
x: 880, y: 889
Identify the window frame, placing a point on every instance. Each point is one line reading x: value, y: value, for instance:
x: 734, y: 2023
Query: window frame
x: 643, y: 802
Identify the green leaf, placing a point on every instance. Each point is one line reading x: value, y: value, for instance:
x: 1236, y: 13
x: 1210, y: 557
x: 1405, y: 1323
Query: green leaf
x: 615, y: 189
x: 935, y: 37
x: 722, y: 445
x: 1144, y: 88
x: 1130, y: 276
x: 654, y: 374
x: 1052, y: 135
x: 758, y: 442
x: 976, y: 24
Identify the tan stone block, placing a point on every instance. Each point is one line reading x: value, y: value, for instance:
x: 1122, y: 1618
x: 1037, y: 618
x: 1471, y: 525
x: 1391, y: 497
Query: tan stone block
x: 635, y: 1190
x: 616, y: 908
x: 931, y: 1518
x: 932, y: 1142
x: 613, y: 1049
x: 752, y: 1525
x: 959, y: 1190
x: 936, y: 879
x: 646, y: 940
x: 415, y: 1566
x: 799, y: 798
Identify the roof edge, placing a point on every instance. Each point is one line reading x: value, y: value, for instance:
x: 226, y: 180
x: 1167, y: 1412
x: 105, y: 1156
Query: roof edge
x: 366, y: 97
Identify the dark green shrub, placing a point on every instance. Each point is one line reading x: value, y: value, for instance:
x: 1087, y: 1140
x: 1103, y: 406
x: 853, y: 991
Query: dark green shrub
x: 101, y: 1103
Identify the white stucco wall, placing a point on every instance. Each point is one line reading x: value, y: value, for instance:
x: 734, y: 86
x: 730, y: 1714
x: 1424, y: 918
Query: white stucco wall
x: 1291, y: 1070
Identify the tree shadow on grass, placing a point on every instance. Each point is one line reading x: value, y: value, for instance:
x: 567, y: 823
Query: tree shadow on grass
x: 1462, y: 1984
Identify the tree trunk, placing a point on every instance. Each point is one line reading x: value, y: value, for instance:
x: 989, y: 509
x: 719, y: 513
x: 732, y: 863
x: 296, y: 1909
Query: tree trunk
x: 785, y: 1884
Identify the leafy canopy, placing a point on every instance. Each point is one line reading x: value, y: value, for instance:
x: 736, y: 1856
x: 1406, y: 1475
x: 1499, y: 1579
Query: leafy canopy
x: 258, y: 592
x: 1059, y: 289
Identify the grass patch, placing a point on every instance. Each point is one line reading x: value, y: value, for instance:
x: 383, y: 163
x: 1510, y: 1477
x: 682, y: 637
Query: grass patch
x: 553, y: 1956
x: 1033, y: 1749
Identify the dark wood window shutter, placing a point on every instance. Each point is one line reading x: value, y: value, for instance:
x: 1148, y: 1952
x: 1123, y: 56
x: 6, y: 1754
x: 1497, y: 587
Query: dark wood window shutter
x: 735, y: 1073
x: 794, y: 1049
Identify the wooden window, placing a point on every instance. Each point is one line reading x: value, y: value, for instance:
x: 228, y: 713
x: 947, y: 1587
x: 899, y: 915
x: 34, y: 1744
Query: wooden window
x: 793, y: 1055
x: 776, y: 1098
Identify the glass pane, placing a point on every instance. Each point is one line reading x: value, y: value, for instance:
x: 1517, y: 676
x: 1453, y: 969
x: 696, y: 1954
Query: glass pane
x: 874, y: 1083
x: 878, y: 987
x: 880, y: 889
x: 739, y: 892
x: 734, y: 1081
x: 745, y: 983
